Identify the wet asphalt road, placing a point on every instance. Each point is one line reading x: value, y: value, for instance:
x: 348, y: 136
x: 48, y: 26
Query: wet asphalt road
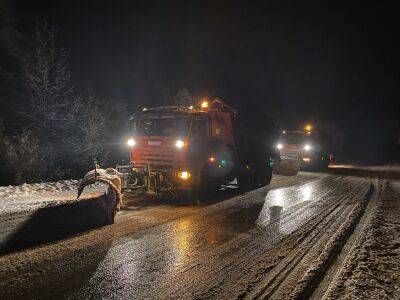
x: 169, y: 249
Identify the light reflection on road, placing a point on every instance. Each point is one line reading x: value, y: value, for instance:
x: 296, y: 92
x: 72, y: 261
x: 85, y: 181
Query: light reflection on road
x: 137, y: 264
x: 306, y: 192
x: 280, y: 200
x: 181, y: 242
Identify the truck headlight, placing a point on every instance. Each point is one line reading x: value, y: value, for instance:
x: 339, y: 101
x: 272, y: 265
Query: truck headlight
x: 179, y: 144
x: 279, y: 146
x: 131, y: 142
x: 307, y: 147
x: 184, y: 175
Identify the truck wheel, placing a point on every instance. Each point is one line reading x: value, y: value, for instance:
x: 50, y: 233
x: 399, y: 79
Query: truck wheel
x: 206, y: 186
x: 243, y: 183
x: 265, y: 176
x: 246, y: 182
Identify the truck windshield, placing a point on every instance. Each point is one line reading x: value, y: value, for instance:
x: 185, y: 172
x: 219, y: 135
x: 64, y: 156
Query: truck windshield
x: 295, y: 138
x: 170, y: 125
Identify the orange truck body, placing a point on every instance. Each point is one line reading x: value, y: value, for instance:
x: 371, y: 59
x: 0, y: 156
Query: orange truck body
x: 204, y: 153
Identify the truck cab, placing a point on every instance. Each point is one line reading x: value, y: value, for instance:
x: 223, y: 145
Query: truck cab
x: 303, y: 146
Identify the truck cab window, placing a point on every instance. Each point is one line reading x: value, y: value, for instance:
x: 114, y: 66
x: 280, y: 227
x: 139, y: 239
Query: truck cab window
x: 164, y: 126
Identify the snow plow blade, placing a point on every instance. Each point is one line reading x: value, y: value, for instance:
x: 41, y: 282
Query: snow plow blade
x: 109, y: 176
x: 287, y: 167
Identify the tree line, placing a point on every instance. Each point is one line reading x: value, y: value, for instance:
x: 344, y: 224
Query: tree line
x: 58, y: 130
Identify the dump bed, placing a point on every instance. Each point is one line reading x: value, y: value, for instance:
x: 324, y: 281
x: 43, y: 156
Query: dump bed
x: 256, y: 136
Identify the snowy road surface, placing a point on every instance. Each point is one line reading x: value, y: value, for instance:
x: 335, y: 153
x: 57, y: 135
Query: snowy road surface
x: 302, y: 236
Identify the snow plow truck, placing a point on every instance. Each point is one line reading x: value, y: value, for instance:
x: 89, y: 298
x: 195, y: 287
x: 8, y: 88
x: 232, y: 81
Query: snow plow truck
x: 177, y: 150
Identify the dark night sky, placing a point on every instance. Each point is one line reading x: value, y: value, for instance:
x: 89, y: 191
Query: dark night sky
x: 330, y: 61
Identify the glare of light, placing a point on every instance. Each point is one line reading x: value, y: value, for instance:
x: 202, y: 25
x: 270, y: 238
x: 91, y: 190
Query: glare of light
x: 306, y: 192
x: 184, y: 175
x: 277, y: 198
x: 182, y: 242
x: 204, y: 104
x: 284, y: 132
x: 144, y: 108
x: 191, y: 107
x: 306, y: 159
x: 279, y: 146
x: 211, y: 159
x: 308, y: 127
x: 307, y: 147
x: 131, y: 142
x: 179, y: 144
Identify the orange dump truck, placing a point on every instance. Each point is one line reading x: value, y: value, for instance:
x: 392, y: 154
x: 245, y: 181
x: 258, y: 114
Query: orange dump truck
x: 197, y: 149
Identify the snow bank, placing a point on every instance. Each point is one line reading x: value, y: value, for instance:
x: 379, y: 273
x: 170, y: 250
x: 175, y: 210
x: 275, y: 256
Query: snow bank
x: 387, y: 167
x: 38, y: 188
x: 374, y: 269
x: 29, y: 210
x: 28, y: 197
x: 388, y: 171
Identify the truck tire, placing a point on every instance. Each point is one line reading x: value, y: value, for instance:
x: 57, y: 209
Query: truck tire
x: 267, y: 176
x: 261, y: 176
x: 247, y: 182
x: 206, y: 186
x: 243, y: 183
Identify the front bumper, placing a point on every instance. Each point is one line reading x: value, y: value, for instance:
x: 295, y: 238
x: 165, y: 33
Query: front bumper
x: 313, y: 160
x: 152, y: 179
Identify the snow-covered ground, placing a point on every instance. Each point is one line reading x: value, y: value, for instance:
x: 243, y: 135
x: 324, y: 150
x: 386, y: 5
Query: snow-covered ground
x: 373, y: 271
x: 28, y: 197
x: 383, y: 168
x: 38, y: 188
x: 233, y: 241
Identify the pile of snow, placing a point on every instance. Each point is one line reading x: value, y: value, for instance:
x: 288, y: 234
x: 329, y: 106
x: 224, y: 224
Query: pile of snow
x: 27, y: 197
x: 38, y: 188
x: 382, y: 168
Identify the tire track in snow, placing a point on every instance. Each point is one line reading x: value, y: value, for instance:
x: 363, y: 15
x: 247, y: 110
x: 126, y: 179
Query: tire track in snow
x: 338, y: 266
x: 316, y: 229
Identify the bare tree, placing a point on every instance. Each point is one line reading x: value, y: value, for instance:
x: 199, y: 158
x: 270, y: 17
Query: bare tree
x: 88, y: 129
x: 49, y: 90
x: 47, y: 80
x: 71, y: 129
x: 20, y: 155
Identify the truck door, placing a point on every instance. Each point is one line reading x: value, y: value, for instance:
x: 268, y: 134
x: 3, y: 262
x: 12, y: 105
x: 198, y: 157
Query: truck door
x: 199, y: 138
x: 222, y: 128
x: 224, y: 142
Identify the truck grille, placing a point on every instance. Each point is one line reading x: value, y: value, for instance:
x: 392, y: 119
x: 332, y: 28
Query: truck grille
x: 158, y: 161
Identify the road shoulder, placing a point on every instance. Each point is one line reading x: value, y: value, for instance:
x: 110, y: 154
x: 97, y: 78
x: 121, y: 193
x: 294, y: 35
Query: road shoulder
x: 373, y: 271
